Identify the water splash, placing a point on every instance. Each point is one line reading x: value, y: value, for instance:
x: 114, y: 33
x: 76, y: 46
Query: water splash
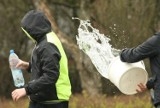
x: 96, y: 46
x: 119, y: 34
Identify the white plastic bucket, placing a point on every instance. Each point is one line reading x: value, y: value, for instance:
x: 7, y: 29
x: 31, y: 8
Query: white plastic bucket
x: 126, y: 76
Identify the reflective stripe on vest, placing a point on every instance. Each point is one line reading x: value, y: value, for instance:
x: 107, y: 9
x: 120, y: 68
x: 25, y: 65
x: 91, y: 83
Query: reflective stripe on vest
x: 63, y: 85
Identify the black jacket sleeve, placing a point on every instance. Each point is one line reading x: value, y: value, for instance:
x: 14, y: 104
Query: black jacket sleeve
x: 29, y: 68
x: 151, y: 82
x: 49, y: 61
x: 145, y: 50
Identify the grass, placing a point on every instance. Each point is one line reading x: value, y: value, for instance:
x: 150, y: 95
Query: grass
x: 86, y: 101
x: 8, y: 103
x: 101, y: 101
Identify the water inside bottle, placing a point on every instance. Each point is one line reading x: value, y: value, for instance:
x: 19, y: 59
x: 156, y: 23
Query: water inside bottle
x: 18, y: 77
x: 16, y: 73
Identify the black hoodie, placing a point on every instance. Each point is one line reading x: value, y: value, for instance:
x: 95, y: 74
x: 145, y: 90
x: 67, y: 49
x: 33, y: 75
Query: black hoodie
x: 36, y: 24
x: 45, y: 67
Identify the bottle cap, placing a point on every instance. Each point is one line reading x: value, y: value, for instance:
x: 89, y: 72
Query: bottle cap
x: 11, y: 51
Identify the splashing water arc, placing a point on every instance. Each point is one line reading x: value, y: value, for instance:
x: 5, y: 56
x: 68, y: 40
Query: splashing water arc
x: 96, y: 46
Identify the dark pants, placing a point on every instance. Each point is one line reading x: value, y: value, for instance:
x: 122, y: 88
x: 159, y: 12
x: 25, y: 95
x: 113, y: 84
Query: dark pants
x: 152, y: 98
x: 158, y: 106
x: 55, y: 105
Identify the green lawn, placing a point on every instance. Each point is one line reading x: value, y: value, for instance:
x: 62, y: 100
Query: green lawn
x: 86, y: 101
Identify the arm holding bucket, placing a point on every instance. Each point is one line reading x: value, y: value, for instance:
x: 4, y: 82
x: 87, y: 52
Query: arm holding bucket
x: 147, y: 49
x: 149, y: 85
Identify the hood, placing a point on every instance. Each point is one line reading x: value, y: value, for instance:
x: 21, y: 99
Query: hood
x: 35, y: 24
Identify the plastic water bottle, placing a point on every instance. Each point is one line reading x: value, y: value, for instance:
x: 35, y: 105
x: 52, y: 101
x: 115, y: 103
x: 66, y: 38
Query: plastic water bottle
x: 16, y: 73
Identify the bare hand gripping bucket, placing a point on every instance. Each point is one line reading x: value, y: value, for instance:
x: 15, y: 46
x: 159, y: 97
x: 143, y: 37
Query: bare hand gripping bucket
x: 126, y: 76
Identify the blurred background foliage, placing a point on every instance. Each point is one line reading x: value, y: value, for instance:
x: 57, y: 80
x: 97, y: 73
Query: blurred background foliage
x: 127, y: 22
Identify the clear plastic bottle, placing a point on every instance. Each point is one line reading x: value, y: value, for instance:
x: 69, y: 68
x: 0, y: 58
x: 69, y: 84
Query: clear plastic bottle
x: 16, y: 73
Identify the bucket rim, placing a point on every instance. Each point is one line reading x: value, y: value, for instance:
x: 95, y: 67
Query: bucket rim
x: 146, y: 79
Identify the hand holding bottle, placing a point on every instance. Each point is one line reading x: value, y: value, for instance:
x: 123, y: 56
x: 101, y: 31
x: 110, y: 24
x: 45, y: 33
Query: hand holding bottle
x: 22, y: 65
x: 16, y: 72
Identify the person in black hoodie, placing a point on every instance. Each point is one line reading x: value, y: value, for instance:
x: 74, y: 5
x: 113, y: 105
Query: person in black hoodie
x: 149, y: 49
x: 49, y: 86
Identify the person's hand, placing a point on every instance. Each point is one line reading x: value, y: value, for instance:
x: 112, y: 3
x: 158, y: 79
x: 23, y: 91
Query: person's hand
x: 141, y: 88
x: 18, y: 93
x: 22, y: 65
